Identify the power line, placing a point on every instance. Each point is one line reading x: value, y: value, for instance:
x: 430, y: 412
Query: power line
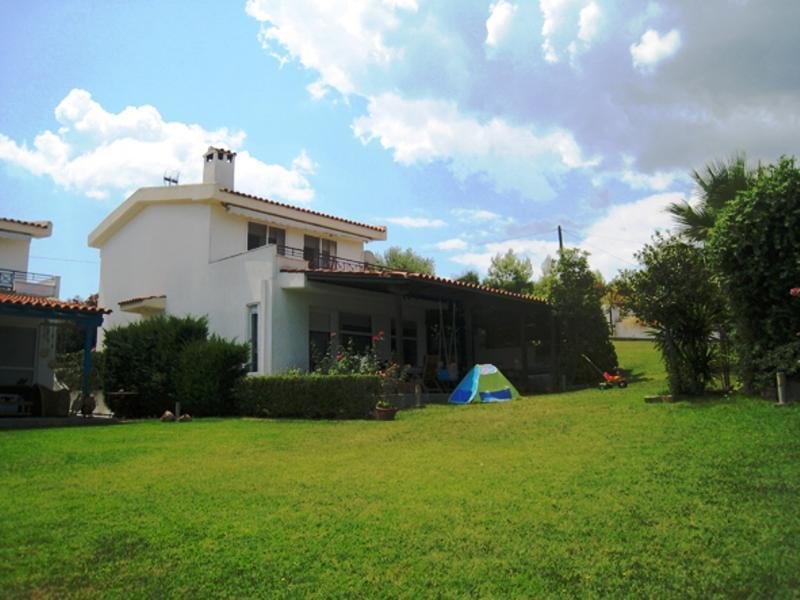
x: 72, y: 260
x: 581, y: 242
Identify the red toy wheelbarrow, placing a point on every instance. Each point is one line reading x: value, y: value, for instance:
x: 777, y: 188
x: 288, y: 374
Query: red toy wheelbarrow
x: 609, y: 379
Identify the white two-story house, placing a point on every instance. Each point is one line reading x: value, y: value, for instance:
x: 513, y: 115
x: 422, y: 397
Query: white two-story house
x: 286, y: 279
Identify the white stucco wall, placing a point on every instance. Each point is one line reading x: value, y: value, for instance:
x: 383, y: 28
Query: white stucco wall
x: 14, y: 253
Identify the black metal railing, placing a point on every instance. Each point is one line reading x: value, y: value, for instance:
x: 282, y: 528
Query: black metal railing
x: 323, y: 260
x: 10, y: 279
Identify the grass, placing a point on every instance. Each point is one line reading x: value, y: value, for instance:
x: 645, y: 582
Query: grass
x: 582, y: 494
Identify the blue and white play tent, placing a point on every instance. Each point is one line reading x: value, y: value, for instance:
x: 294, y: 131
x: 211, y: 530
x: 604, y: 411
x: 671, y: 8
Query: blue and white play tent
x: 483, y: 383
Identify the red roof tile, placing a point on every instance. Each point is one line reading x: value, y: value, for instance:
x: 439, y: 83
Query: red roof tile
x: 380, y: 228
x: 386, y: 274
x: 141, y: 299
x: 39, y: 224
x: 24, y: 300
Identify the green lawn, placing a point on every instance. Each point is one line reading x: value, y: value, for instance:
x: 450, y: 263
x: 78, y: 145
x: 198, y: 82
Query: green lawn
x: 588, y: 493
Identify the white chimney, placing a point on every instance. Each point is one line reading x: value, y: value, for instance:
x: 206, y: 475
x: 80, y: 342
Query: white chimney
x: 218, y: 165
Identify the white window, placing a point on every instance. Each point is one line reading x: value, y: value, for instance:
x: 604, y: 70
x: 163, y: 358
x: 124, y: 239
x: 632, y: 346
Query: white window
x: 252, y: 335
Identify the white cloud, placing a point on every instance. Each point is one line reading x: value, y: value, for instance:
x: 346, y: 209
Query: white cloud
x: 97, y: 152
x: 616, y: 237
x: 536, y: 250
x: 654, y: 48
x: 416, y: 222
x: 476, y: 214
x: 499, y: 22
x: 513, y: 158
x: 589, y: 21
x: 451, y: 244
x: 342, y: 40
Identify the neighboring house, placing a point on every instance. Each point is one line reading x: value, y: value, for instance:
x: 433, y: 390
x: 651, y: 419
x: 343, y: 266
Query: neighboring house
x: 288, y: 279
x: 30, y: 310
x: 626, y: 326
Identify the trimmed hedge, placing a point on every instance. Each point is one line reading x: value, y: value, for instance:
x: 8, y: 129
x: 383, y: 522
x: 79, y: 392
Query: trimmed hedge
x: 143, y: 357
x: 208, y: 372
x: 308, y: 396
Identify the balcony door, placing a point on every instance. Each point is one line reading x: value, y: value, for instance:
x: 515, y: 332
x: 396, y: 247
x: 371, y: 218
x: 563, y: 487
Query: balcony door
x: 320, y: 253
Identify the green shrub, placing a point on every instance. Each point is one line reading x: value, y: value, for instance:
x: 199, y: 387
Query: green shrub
x: 309, y: 396
x: 208, y: 372
x: 755, y: 245
x: 144, y: 357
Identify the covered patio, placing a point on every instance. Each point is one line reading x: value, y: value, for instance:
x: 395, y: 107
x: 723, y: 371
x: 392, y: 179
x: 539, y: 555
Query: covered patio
x: 461, y: 324
x: 27, y: 348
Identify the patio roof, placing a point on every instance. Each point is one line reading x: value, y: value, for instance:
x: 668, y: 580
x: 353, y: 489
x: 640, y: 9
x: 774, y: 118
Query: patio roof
x: 48, y: 307
x: 416, y: 284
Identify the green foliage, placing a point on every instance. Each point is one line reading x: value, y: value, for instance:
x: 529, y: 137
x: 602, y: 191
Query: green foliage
x: 755, y: 246
x: 469, y: 277
x: 673, y: 293
x: 575, y: 295
x: 68, y: 369
x: 208, y: 372
x: 717, y: 184
x: 145, y: 357
x: 397, y: 259
x: 309, y: 396
x: 587, y: 494
x: 510, y: 272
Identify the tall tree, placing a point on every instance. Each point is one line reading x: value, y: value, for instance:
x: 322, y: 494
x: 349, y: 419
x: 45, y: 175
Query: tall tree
x: 573, y: 291
x: 717, y: 185
x: 469, y: 277
x: 397, y: 259
x: 510, y: 272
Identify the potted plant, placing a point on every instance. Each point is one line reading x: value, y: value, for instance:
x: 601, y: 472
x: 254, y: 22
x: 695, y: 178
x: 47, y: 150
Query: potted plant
x: 385, y: 410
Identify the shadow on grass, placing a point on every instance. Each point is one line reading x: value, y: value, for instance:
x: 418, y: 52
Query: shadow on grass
x: 635, y: 376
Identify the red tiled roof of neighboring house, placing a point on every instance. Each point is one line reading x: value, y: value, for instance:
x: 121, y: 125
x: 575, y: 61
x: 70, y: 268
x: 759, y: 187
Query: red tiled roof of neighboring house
x: 141, y: 299
x: 39, y: 224
x: 380, y: 228
x: 387, y: 274
x: 27, y: 301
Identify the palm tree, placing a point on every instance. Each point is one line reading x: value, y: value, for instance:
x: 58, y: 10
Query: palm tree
x: 717, y: 184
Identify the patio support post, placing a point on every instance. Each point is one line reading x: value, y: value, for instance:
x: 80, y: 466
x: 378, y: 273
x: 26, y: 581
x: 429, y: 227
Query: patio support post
x: 469, y: 337
x: 87, y: 359
x: 398, y: 328
x: 523, y: 346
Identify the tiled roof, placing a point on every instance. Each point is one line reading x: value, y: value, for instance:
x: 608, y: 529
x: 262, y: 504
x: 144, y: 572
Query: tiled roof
x: 380, y: 228
x: 27, y: 301
x: 141, y: 299
x: 385, y: 274
x: 39, y: 224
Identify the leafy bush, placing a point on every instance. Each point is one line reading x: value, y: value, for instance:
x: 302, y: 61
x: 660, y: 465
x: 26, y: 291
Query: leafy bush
x: 144, y: 357
x: 755, y: 245
x: 68, y: 368
x: 310, y: 396
x: 208, y: 372
x: 575, y: 294
x: 673, y: 293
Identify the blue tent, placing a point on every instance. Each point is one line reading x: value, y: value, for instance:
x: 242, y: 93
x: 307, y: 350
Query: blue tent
x: 483, y: 383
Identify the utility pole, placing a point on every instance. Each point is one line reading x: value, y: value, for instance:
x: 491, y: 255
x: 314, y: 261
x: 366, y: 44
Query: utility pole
x: 560, y: 241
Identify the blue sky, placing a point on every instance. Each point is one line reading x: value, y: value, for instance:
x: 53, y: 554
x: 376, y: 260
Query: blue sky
x: 467, y: 127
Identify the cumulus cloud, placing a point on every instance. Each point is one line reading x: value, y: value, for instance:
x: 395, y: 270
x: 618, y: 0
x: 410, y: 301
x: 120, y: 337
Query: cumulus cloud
x: 416, y: 222
x: 475, y: 214
x: 97, y: 152
x: 513, y: 158
x: 451, y: 244
x: 341, y: 41
x: 653, y: 48
x: 613, y: 239
x: 497, y: 25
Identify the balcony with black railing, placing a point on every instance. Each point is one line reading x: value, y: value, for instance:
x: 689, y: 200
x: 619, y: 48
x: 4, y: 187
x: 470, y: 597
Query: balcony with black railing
x: 32, y: 284
x: 323, y: 260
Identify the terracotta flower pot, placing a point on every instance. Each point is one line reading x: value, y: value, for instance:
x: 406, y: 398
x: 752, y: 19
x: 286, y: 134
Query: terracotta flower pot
x: 385, y: 414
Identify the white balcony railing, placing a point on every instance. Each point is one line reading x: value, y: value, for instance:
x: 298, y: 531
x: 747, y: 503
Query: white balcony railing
x: 31, y: 284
